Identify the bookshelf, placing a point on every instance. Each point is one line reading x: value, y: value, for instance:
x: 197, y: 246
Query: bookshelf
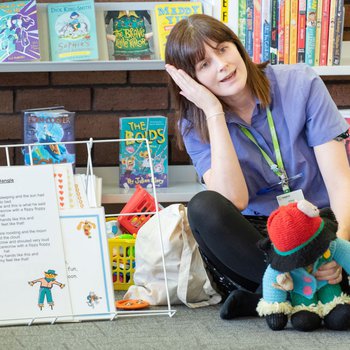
x: 183, y: 185
x: 103, y: 64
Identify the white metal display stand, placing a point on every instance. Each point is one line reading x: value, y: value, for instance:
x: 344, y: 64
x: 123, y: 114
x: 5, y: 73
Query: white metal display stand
x: 89, y: 182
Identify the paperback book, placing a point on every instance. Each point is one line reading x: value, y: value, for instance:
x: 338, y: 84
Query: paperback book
x: 72, y: 31
x: 134, y: 158
x: 49, y: 125
x: 129, y: 34
x: 19, y: 38
x: 166, y: 16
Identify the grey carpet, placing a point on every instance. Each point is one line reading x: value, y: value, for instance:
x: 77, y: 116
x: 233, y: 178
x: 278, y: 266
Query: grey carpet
x: 187, y: 329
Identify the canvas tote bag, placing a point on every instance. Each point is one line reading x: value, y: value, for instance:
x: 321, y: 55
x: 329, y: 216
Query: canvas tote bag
x: 187, y: 279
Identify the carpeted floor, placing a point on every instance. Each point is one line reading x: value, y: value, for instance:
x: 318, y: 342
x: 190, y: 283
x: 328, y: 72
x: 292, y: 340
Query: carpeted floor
x: 187, y: 329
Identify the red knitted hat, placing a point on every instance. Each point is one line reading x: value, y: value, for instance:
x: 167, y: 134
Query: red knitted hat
x: 290, y: 229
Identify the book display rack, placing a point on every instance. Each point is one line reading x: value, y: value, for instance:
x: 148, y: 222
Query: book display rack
x: 77, y: 281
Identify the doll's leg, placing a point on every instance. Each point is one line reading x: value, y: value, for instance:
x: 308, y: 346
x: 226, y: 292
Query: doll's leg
x: 338, y: 316
x: 305, y: 315
x: 229, y: 243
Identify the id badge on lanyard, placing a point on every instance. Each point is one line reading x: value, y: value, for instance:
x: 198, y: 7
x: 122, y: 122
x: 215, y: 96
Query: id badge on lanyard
x: 288, y: 196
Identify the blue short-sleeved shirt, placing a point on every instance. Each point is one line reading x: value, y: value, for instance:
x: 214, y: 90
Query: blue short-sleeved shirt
x: 304, y: 115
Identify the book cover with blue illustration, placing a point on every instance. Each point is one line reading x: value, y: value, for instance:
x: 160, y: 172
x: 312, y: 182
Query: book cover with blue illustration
x: 49, y: 125
x: 134, y: 160
x: 19, y: 38
x: 72, y: 30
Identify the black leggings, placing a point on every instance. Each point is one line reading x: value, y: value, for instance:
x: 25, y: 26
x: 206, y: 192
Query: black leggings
x: 227, y: 239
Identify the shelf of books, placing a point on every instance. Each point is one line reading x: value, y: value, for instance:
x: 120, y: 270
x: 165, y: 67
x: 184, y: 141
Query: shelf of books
x: 88, y: 36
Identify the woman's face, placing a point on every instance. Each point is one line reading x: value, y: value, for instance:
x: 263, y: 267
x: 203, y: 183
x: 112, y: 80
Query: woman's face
x: 222, y: 70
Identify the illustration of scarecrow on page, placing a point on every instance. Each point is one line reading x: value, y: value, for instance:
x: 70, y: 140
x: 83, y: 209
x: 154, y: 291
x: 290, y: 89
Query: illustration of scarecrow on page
x: 46, y: 284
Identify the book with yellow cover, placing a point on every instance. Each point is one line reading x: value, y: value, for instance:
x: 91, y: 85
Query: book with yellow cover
x: 287, y: 5
x: 166, y: 16
x: 318, y: 32
x: 293, y: 31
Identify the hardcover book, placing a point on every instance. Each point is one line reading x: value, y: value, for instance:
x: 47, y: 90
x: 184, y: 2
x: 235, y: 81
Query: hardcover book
x: 72, y: 27
x: 129, y: 34
x: 19, y: 38
x: 134, y: 158
x: 166, y: 16
x: 49, y: 125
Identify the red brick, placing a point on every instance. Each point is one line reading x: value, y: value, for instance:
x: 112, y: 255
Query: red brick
x: 97, y: 126
x: 88, y: 78
x: 106, y: 154
x: 176, y: 155
x: 78, y: 99
x: 148, y: 77
x: 6, y: 101
x: 11, y: 127
x: 112, y: 99
x: 3, y: 159
x: 24, y: 79
x: 340, y: 94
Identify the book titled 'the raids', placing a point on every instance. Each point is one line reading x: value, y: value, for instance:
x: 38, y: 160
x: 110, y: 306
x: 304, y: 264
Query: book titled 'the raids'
x: 72, y: 27
x: 49, y: 125
x: 19, y: 38
x: 166, y: 16
x: 134, y: 159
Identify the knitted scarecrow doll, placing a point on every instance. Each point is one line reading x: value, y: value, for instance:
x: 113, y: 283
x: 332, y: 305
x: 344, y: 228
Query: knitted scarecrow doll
x: 301, y: 239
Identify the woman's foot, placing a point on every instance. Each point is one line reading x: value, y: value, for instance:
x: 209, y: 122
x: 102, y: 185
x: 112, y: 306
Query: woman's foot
x: 239, y: 303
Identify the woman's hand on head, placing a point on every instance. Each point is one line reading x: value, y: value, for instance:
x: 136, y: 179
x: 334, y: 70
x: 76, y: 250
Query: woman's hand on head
x: 195, y: 92
x: 331, y: 272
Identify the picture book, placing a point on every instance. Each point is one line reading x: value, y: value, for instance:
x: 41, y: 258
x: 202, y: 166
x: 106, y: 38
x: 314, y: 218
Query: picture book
x: 19, y: 38
x: 134, y: 158
x: 166, y: 16
x: 46, y: 280
x: 49, y: 125
x: 72, y: 31
x: 129, y: 34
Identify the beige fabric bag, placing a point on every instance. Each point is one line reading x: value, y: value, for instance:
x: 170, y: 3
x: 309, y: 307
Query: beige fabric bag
x: 188, y: 281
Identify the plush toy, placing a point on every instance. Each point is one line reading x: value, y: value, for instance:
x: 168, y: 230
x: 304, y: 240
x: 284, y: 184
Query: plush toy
x: 301, y: 239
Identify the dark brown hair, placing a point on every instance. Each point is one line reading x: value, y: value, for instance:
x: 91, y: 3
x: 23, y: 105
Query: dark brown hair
x: 185, y: 48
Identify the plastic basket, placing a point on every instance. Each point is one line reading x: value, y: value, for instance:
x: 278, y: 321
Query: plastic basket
x: 122, y: 260
x: 140, y: 202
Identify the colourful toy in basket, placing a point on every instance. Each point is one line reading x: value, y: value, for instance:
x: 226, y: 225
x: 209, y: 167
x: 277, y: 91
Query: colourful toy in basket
x: 303, y: 238
x: 141, y: 202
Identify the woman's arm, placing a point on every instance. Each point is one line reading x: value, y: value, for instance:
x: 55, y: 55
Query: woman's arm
x: 334, y: 166
x: 225, y: 175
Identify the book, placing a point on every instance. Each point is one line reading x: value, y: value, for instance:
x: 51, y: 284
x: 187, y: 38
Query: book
x: 134, y: 158
x: 332, y: 14
x: 265, y: 30
x: 72, y: 31
x: 249, y: 42
x: 44, y: 250
x: 129, y: 34
x: 310, y: 33
x: 324, y: 32
x: 49, y: 125
x: 19, y: 38
x: 287, y: 6
x: 257, y: 31
x: 319, y: 4
x: 274, y: 32
x: 301, y: 31
x: 166, y: 16
x: 242, y: 22
x: 293, y: 32
x: 338, y: 32
x: 280, y: 32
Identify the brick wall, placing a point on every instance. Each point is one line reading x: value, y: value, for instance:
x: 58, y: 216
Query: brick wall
x: 99, y: 100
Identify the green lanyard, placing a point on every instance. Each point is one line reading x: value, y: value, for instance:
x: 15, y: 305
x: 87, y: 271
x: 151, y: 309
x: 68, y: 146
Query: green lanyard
x: 278, y: 168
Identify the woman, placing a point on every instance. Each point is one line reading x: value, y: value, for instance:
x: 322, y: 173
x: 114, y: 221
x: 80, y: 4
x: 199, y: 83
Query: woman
x: 258, y: 136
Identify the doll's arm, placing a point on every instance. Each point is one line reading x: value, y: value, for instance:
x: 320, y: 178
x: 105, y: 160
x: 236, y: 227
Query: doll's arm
x: 341, y: 253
